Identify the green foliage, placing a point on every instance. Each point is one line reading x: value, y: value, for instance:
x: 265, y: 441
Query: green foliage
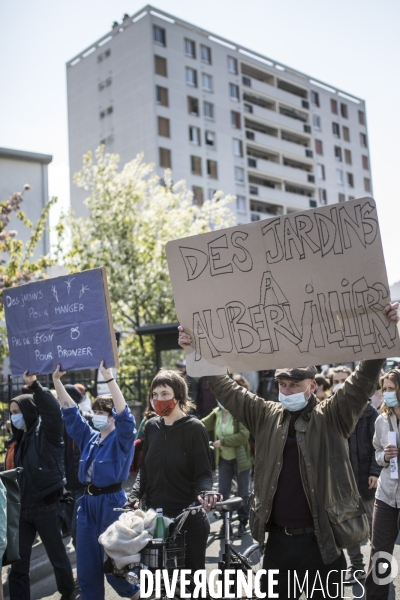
x: 16, y: 258
x: 131, y: 217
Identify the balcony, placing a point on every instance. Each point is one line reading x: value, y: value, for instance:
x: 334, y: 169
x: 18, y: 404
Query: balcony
x: 278, y: 170
x: 271, y: 141
x: 274, y: 92
x: 276, y: 118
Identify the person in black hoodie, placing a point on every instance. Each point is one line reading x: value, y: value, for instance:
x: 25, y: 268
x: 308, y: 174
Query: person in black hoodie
x: 37, y: 446
x: 176, y: 464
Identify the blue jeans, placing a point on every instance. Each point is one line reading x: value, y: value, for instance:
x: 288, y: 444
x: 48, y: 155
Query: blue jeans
x: 226, y: 471
x: 41, y: 519
x: 95, y: 514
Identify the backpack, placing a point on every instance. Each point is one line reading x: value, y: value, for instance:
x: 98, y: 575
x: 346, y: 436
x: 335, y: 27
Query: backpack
x: 9, y: 479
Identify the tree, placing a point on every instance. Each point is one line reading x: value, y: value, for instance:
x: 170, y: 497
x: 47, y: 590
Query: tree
x: 132, y: 214
x: 16, y: 258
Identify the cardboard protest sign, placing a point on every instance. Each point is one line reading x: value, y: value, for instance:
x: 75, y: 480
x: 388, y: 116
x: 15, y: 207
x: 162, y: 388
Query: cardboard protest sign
x: 64, y: 320
x: 301, y: 289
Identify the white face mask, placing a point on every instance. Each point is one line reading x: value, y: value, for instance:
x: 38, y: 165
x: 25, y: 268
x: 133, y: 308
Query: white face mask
x: 100, y: 422
x: 294, y: 402
x: 390, y: 399
x: 337, y: 387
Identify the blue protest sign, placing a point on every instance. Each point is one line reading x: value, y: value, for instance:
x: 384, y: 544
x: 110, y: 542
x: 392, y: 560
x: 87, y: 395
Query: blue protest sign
x: 64, y: 320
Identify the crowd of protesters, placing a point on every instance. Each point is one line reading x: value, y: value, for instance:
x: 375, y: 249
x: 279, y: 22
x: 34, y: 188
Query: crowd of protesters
x: 317, y: 450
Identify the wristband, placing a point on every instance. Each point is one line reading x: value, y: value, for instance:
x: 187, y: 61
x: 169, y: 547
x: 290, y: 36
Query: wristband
x: 108, y: 380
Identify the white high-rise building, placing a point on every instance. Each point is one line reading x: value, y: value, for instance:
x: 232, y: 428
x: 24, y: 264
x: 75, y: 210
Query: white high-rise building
x: 221, y: 116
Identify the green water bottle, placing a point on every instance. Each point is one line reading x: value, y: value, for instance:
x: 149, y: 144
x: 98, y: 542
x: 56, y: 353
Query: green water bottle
x: 160, y: 531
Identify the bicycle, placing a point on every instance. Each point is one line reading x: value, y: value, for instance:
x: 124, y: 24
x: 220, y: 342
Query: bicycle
x: 169, y: 555
x: 252, y: 557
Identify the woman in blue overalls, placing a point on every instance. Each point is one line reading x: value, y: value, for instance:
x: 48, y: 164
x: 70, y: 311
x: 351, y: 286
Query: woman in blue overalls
x: 106, y: 454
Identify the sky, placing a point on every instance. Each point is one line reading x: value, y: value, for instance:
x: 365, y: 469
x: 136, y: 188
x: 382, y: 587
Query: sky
x: 351, y: 44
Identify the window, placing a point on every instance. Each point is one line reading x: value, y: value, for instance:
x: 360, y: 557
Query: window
x: 361, y: 117
x: 159, y: 35
x: 342, y: 198
x: 161, y: 95
x: 248, y: 107
x: 347, y: 157
x: 191, y: 77
x: 212, y: 169
x: 239, y: 175
x: 104, y: 84
x: 102, y: 114
x: 246, y: 81
x: 193, y: 106
x: 208, y: 110
x: 334, y: 106
x: 232, y: 65
x: 339, y: 176
x: 343, y: 111
x: 194, y: 135
x: 315, y: 98
x: 367, y: 184
x: 210, y: 139
x: 365, y: 162
x: 237, y: 147
x: 235, y: 119
x: 206, y: 82
x: 346, y: 133
x: 320, y: 171
x: 110, y: 110
x: 352, y: 198
x: 363, y: 140
x: 234, y: 91
x: 163, y: 126
x: 338, y: 154
x: 205, y: 52
x: 190, y: 48
x: 210, y: 194
x: 350, y: 179
x: 160, y: 65
x: 195, y: 165
x: 318, y: 147
x: 316, y: 121
x: 107, y: 53
x: 198, y: 195
x: 164, y: 157
x: 323, y: 197
x: 241, y: 204
x: 336, y: 130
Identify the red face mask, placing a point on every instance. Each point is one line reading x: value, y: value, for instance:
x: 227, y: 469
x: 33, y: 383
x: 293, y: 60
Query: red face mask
x: 163, y: 408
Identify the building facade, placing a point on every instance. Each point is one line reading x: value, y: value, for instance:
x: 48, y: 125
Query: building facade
x: 17, y: 168
x: 221, y: 116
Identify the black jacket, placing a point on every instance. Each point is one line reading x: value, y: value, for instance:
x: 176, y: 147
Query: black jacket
x: 362, y: 452
x: 175, y: 465
x: 41, y: 450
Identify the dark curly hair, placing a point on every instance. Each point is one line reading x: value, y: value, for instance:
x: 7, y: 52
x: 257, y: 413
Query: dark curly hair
x: 104, y: 403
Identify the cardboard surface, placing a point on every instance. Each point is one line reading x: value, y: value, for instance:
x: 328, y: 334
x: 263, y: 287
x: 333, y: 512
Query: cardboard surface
x: 64, y: 320
x: 301, y: 289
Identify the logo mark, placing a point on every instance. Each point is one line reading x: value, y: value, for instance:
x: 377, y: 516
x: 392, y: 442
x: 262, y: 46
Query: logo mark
x: 385, y: 571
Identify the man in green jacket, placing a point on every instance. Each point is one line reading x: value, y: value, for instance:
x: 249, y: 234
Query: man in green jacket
x: 305, y: 494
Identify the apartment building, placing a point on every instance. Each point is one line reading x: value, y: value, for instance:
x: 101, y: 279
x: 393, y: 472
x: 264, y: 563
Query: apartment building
x: 221, y: 116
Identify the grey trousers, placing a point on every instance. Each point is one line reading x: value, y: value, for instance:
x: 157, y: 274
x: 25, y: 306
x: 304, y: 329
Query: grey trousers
x: 354, y: 552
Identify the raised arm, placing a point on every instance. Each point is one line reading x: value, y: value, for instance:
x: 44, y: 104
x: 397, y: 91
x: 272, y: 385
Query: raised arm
x: 63, y: 397
x: 47, y: 407
x: 118, y: 399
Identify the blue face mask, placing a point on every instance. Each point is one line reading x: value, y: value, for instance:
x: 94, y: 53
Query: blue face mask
x: 220, y: 405
x: 390, y: 399
x: 100, y: 422
x: 18, y: 421
x: 294, y: 402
